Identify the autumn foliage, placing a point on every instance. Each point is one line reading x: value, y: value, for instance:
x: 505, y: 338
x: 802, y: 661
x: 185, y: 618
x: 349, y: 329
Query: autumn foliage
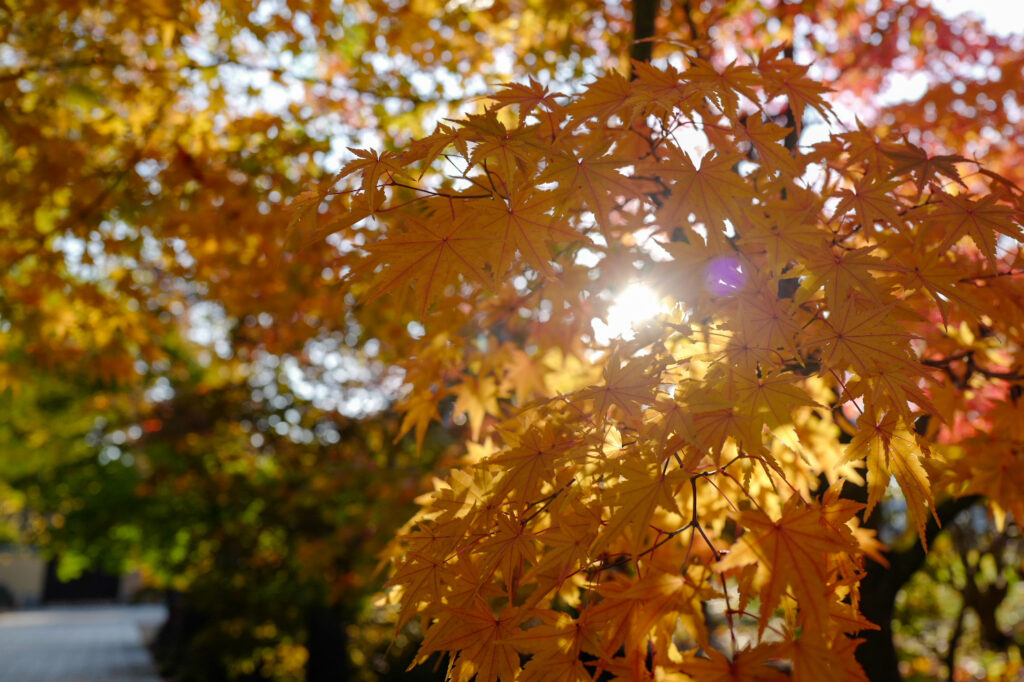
x: 833, y: 316
x: 229, y: 365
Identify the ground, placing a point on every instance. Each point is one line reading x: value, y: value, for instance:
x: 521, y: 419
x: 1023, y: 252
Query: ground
x: 78, y: 644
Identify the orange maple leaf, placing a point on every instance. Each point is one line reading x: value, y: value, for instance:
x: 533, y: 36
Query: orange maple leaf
x: 556, y: 648
x: 865, y: 340
x: 510, y: 548
x: 843, y: 273
x: 632, y: 608
x: 748, y: 665
x: 661, y: 91
x: 608, y: 96
x: 481, y: 638
x: 816, y: 658
x: 643, y: 489
x: 872, y: 200
x: 979, y: 219
x: 525, y: 224
x: 723, y: 87
x: 891, y: 449
x: 594, y: 178
x: 530, y: 96
x: 786, y: 77
x: 371, y: 166
x: 909, y: 159
x: 431, y: 253
x: 765, y: 137
x: 528, y: 462
x: 628, y: 386
x: 711, y: 192
x: 792, y: 551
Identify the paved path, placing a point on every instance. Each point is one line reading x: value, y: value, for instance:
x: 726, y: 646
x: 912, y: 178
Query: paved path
x: 77, y: 644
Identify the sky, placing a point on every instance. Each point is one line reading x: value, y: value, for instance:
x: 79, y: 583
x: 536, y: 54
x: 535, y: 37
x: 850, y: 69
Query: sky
x: 1002, y: 17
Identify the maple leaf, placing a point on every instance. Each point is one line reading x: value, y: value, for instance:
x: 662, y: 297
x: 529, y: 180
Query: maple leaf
x: 999, y: 476
x: 661, y: 91
x: 909, y: 159
x: 493, y: 141
x: 843, y: 273
x: 770, y: 397
x: 431, y: 254
x: 420, y: 577
x: 432, y: 571
x: 632, y: 609
x: 872, y: 200
x: 523, y: 377
x: 717, y: 418
x: 784, y: 76
x: 865, y: 340
x: 790, y: 226
x: 863, y: 148
x: 747, y: 665
x: 891, y: 449
x: 593, y: 178
x: 525, y: 224
x: 980, y: 219
x: 420, y: 410
x: 371, y: 166
x: 765, y: 137
x: 510, y: 549
x: 628, y: 386
x: 476, y: 397
x: 815, y: 657
x: 767, y: 317
x: 792, y: 551
x: 937, y: 272
x: 845, y: 617
x: 308, y: 227
x: 893, y: 388
x: 461, y: 493
x: 723, y: 87
x: 566, y: 547
x: 428, y: 149
x: 636, y: 497
x: 528, y: 461
x: 712, y: 192
x: 556, y: 648
x: 606, y: 97
x: 509, y: 147
x: 683, y: 276
x: 481, y: 639
x: 677, y: 428
x: 529, y: 97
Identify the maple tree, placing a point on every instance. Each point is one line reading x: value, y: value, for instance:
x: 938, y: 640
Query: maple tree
x: 819, y: 327
x: 686, y: 502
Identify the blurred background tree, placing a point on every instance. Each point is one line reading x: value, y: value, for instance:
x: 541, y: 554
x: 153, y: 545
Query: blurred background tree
x: 183, y: 387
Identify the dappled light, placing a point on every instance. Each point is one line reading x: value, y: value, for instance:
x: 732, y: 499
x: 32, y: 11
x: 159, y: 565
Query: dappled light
x: 511, y: 341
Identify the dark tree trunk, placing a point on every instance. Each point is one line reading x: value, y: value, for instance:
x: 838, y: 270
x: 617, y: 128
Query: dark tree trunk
x: 327, y: 645
x: 877, y: 655
x: 644, y: 13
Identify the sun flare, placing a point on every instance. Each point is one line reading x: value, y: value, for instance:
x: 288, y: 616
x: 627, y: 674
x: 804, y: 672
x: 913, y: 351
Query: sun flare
x: 634, y: 305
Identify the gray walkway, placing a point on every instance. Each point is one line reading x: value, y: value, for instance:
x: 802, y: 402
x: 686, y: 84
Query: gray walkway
x: 77, y: 644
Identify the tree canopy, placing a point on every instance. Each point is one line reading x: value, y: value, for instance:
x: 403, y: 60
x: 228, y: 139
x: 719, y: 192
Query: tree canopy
x: 686, y: 310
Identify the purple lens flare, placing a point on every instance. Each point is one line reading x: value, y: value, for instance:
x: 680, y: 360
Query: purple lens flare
x: 724, y: 276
